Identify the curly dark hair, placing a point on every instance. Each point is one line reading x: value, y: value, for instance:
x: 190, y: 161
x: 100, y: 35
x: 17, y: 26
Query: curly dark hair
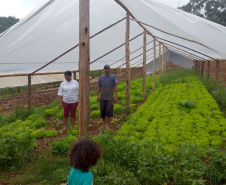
x: 84, y: 154
x: 67, y: 73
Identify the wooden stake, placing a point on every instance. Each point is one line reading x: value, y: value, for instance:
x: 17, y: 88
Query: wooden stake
x: 29, y: 93
x: 84, y: 67
x: 160, y: 63
x: 154, y: 61
x: 217, y: 73
x: 144, y: 66
x: 127, y: 64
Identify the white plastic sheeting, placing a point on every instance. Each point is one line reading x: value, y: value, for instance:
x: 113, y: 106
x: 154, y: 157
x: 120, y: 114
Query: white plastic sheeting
x: 180, y: 23
x: 23, y: 80
x: 53, y: 27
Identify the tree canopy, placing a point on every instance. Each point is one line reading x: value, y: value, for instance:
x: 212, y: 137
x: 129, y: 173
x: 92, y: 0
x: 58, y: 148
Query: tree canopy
x: 213, y: 10
x: 7, y: 22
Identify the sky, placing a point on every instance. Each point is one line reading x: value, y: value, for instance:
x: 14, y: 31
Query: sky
x: 20, y: 8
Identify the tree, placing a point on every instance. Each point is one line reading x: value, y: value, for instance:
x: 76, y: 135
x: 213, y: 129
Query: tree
x: 7, y: 22
x: 213, y: 10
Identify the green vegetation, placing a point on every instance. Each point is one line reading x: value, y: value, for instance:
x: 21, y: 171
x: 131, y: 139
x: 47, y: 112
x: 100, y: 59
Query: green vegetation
x: 219, y: 95
x: 213, y: 10
x: 176, y: 137
x: 7, y: 22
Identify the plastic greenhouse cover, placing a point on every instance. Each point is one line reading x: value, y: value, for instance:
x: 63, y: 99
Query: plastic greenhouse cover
x: 53, y: 27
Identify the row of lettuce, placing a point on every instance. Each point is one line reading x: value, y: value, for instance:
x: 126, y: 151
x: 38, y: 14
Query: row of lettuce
x: 176, y: 115
x: 20, y: 130
x: 176, y: 137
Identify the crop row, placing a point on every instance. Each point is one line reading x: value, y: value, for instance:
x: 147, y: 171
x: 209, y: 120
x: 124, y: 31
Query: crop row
x: 176, y: 115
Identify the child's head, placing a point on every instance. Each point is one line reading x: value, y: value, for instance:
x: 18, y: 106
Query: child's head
x: 84, y: 154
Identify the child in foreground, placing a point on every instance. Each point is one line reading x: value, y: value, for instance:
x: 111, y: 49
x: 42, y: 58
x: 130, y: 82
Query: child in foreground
x: 83, y: 154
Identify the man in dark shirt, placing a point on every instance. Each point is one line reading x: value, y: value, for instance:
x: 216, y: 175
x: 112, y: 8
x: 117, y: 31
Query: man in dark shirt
x: 107, y: 86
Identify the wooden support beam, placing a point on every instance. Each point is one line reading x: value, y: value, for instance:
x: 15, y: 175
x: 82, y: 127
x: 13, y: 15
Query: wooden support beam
x: 202, y: 69
x: 127, y: 64
x: 208, y: 71
x: 160, y: 63
x: 163, y: 59
x: 84, y: 67
x: 217, y: 73
x: 154, y: 62
x: 166, y: 59
x: 196, y: 65
x: 74, y: 75
x: 144, y: 65
x: 29, y: 93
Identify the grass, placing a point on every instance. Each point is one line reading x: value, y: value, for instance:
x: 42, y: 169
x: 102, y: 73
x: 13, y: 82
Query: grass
x: 218, y: 94
x: 44, y: 169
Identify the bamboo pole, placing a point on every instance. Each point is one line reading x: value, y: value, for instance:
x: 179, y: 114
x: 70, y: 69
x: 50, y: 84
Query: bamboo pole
x: 160, y: 60
x: 183, y: 55
x: 127, y: 64
x: 184, y: 52
x: 154, y: 62
x: 130, y: 54
x: 29, y: 93
x: 217, y: 74
x: 115, y: 49
x: 168, y: 32
x: 144, y: 66
x: 84, y: 67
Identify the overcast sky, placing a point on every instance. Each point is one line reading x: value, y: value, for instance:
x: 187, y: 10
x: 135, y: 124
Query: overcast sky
x: 20, y: 8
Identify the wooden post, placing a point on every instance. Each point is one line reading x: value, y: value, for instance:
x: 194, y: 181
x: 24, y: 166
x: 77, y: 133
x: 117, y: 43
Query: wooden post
x: 144, y: 65
x: 208, y: 71
x: 115, y: 71
x: 163, y: 59
x: 127, y: 64
x: 29, y: 93
x: 196, y: 66
x: 84, y: 67
x: 202, y: 69
x: 163, y: 55
x: 160, y: 63
x: 166, y: 58
x: 134, y: 72
x: 74, y: 75
x: 217, y: 73
x: 154, y: 50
